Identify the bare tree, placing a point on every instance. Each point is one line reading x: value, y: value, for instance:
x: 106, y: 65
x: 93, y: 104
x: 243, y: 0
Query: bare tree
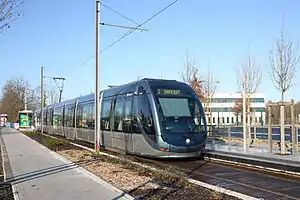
x: 191, y: 76
x: 238, y: 108
x: 283, y: 64
x: 209, y: 87
x: 249, y: 79
x: 253, y: 76
x: 10, y: 10
x: 13, y: 97
x: 52, y: 96
x: 34, y: 98
x: 12, y: 100
x: 282, y: 71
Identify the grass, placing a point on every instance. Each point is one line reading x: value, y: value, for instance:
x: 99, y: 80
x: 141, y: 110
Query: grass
x: 51, y: 143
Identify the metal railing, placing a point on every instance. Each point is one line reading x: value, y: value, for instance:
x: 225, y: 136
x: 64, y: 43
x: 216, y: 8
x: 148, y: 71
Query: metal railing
x: 226, y: 136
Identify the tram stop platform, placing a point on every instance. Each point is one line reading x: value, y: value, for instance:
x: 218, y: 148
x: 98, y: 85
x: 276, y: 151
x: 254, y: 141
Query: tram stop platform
x: 257, y: 155
x: 39, y: 173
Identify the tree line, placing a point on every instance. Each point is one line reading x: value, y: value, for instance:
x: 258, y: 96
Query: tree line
x: 17, y: 92
x: 275, y: 113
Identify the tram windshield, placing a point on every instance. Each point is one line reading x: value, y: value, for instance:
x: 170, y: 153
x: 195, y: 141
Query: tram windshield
x: 179, y: 111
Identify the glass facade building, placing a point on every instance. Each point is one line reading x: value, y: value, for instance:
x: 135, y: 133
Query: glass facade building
x: 220, y: 109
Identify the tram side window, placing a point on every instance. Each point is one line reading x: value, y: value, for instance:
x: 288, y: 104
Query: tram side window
x: 50, y: 116
x: 127, y: 121
x: 79, y: 116
x: 58, y: 116
x: 69, y: 112
x: 84, y: 116
x: 92, y: 116
x: 145, y: 115
x: 135, y: 124
x: 105, y: 114
x: 88, y: 110
x: 118, y: 115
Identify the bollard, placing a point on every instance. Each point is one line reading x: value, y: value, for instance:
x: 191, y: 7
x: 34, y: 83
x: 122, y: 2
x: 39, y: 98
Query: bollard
x: 293, y: 129
x: 255, y: 125
x: 296, y: 140
x: 229, y: 137
x: 270, y: 130
x: 282, y: 135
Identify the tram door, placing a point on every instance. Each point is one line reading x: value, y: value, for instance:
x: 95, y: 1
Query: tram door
x: 117, y: 134
x: 127, y: 124
x: 121, y: 130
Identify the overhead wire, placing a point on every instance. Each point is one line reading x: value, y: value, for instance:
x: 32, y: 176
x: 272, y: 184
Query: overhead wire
x: 113, y: 10
x: 128, y: 32
x: 109, y: 8
x: 131, y: 31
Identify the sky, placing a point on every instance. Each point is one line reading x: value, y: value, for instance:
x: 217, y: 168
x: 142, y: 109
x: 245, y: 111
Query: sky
x: 60, y: 35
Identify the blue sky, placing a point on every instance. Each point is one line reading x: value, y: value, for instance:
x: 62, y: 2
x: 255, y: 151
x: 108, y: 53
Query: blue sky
x: 60, y: 35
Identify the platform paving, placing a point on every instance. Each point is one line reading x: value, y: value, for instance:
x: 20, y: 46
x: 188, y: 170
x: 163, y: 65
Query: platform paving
x: 38, y: 173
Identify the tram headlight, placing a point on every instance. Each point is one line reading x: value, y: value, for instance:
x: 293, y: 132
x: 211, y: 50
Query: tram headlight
x: 188, y: 140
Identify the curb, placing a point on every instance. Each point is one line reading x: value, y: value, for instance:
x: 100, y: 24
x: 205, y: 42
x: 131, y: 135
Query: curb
x: 13, y: 186
x: 274, y: 164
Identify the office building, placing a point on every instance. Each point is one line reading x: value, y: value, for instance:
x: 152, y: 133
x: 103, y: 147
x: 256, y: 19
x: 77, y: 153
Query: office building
x: 219, y: 109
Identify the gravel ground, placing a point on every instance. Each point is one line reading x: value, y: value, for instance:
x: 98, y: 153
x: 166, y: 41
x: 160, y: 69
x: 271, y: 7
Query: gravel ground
x: 137, y: 181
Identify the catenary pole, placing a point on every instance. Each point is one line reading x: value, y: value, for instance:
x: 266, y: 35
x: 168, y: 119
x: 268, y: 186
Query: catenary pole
x: 42, y: 98
x: 97, y: 92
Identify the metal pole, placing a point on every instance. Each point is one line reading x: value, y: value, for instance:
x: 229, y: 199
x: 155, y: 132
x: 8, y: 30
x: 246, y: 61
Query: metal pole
x: 97, y: 92
x: 244, y: 113
x: 42, y: 98
x: 229, y: 137
x: 297, y: 149
x: 248, y: 118
x: 282, y: 138
x: 25, y: 97
x: 270, y: 129
x: 293, y: 129
x: 60, y: 93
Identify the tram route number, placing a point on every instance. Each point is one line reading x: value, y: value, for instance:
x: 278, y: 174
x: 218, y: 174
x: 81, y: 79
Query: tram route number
x: 168, y: 92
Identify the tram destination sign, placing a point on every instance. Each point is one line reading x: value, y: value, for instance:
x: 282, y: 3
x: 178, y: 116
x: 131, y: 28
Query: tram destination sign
x: 168, y: 92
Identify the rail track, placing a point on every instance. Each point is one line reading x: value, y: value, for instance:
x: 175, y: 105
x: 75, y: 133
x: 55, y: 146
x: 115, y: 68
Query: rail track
x: 259, y: 183
x: 247, y: 181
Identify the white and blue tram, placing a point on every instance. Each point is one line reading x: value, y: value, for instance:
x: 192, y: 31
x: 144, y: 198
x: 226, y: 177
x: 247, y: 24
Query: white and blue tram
x: 150, y: 117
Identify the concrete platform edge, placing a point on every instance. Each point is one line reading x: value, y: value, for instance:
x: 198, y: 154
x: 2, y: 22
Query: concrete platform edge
x: 15, y: 192
x: 284, y: 165
x: 13, y: 187
x: 93, y: 176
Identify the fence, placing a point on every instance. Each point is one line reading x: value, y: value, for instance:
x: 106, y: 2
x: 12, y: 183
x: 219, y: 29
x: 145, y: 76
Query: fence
x: 233, y: 135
